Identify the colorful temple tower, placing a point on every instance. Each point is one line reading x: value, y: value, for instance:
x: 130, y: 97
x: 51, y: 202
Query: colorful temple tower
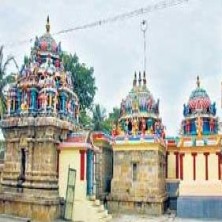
x: 194, y: 161
x: 138, y: 184
x: 41, y: 109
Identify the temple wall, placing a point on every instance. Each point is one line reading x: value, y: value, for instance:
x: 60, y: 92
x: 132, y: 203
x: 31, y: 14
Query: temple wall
x: 200, y: 196
x: 71, y: 158
x: 200, y: 166
x: 138, y: 184
x: 103, y: 171
x: 188, y: 167
x: 213, y: 166
x: 171, y: 166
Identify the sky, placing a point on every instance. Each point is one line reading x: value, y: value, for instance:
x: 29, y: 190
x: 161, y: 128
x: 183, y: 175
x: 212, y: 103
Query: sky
x: 182, y: 42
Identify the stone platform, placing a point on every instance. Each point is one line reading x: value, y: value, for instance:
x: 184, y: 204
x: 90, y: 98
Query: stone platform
x: 30, y: 207
x: 132, y: 207
x: 147, y: 218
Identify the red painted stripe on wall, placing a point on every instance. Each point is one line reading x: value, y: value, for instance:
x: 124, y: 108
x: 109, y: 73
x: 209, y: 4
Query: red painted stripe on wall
x: 82, y: 164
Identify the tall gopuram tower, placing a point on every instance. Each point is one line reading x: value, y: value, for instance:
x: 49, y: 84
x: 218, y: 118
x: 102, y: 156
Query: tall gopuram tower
x: 41, y: 109
x: 138, y: 184
x: 197, y: 159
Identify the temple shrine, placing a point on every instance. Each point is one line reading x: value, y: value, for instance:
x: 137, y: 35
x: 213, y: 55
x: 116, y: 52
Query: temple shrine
x: 194, y: 160
x: 137, y: 169
x: 41, y: 110
x: 138, y: 183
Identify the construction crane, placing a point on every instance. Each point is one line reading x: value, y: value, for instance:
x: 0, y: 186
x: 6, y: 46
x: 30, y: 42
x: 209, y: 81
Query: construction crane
x: 150, y: 8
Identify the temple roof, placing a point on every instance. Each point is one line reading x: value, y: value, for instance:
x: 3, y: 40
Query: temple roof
x: 46, y: 44
x: 199, y: 99
x: 43, y: 87
x: 139, y: 113
x: 199, y: 114
x: 199, y: 102
x: 139, y: 102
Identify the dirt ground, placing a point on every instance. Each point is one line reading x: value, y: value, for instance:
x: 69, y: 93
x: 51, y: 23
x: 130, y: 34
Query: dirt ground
x: 162, y: 218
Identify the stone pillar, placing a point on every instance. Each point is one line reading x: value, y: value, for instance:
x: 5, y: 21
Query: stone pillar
x: 219, y: 164
x: 177, y: 164
x: 194, y: 165
x: 181, y: 165
x: 82, y: 164
x: 90, y: 172
x: 206, y: 154
x: 166, y: 167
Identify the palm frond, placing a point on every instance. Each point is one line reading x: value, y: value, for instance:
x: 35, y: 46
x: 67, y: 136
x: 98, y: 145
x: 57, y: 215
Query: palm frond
x: 7, y: 62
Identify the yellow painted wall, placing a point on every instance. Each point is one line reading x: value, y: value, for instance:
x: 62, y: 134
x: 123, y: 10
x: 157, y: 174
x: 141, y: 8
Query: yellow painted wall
x: 71, y: 158
x: 213, y: 167
x: 187, y: 167
x: 200, y: 166
x: 171, y: 166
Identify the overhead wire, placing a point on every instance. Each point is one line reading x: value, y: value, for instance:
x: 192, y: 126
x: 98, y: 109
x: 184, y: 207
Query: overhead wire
x: 157, y: 6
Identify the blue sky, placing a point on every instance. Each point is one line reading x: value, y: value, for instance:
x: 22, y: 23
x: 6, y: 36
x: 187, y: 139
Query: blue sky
x: 182, y: 42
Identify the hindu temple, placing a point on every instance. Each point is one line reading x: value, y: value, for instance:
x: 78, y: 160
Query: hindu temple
x: 194, y: 160
x: 138, y: 183
x: 41, y: 110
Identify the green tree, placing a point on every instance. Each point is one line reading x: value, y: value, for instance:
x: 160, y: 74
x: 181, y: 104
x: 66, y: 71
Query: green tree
x: 5, y: 79
x: 99, y: 114
x: 83, y: 80
x: 103, y: 123
x: 85, y: 120
x: 111, y: 121
x: 114, y: 116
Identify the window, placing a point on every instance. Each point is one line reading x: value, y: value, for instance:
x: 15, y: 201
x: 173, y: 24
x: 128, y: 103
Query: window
x: 134, y: 171
x: 23, y: 160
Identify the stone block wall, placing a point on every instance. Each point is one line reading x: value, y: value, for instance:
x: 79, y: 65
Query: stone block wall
x: 40, y: 157
x: 104, y: 171
x: 138, y: 183
x: 30, y: 177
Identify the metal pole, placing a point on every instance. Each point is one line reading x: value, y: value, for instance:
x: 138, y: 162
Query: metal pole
x: 143, y: 29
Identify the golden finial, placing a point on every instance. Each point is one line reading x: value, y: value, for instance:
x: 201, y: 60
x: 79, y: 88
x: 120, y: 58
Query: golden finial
x: 198, y: 82
x: 47, y: 25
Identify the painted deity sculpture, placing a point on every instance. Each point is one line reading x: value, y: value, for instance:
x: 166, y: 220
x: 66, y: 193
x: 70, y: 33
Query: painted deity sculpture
x: 212, y: 125
x: 199, y: 126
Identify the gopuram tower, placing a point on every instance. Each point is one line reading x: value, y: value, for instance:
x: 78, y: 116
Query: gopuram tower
x: 198, y: 158
x: 138, y: 184
x: 41, y: 109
